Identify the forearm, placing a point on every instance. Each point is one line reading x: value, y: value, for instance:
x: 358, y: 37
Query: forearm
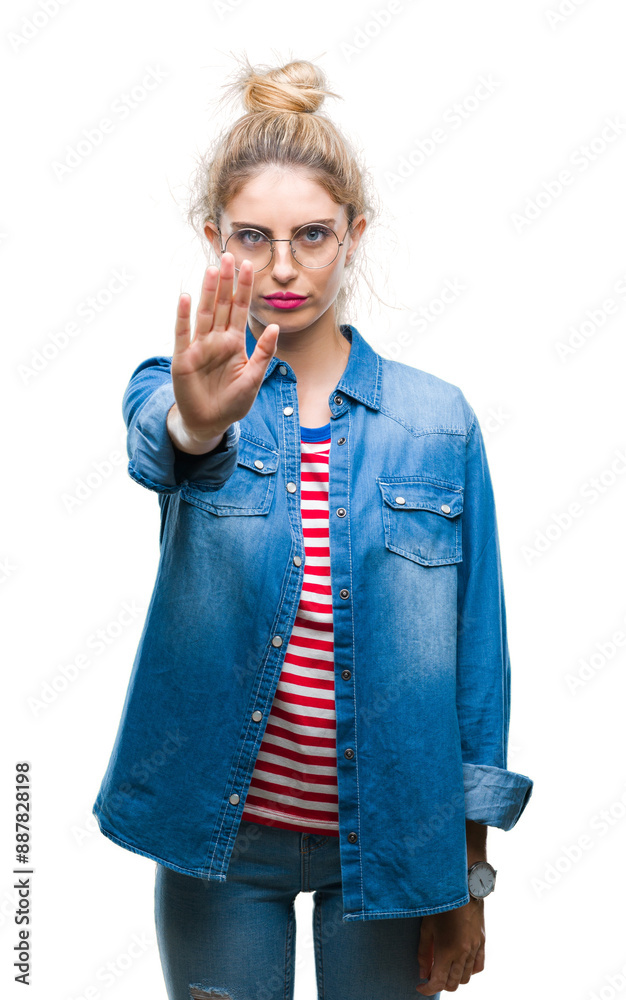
x: 476, y: 837
x: 183, y: 440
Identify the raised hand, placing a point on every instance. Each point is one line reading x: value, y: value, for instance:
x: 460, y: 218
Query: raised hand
x: 214, y: 381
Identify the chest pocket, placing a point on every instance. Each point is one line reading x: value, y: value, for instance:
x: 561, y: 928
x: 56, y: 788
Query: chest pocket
x: 249, y: 490
x: 422, y: 521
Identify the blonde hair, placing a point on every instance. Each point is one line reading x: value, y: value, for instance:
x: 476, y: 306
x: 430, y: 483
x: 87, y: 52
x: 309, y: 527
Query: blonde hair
x: 283, y: 125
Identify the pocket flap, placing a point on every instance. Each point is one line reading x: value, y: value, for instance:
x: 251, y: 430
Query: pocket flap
x: 259, y: 457
x: 422, y: 494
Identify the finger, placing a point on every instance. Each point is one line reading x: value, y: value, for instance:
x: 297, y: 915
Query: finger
x: 262, y: 354
x: 438, y: 978
x: 224, y: 297
x: 241, y: 299
x: 469, y: 968
x: 455, y: 973
x: 206, y: 306
x: 479, y: 961
x: 425, y: 952
x: 182, y: 328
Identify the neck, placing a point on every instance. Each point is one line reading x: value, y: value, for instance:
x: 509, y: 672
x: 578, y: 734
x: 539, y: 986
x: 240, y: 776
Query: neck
x: 318, y: 354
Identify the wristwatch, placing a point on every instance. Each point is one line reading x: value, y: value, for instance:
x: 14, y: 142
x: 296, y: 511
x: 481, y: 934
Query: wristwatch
x: 481, y: 879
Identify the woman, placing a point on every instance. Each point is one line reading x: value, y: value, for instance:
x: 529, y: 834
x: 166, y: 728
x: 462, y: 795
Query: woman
x: 320, y: 698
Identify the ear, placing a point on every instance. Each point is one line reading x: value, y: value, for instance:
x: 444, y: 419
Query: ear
x: 358, y: 225
x: 213, y: 236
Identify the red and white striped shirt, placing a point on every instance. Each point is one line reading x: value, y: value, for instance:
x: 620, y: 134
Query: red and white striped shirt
x: 294, y: 782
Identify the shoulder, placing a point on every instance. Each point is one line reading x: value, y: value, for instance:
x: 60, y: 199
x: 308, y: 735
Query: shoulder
x: 424, y: 398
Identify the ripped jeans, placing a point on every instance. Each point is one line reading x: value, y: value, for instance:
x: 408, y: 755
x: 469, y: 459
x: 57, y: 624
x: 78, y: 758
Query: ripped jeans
x: 235, y: 940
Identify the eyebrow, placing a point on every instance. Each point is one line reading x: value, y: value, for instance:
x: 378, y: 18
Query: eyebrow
x: 266, y: 229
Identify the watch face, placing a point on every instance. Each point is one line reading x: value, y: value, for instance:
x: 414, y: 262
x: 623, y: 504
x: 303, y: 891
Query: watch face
x: 481, y: 879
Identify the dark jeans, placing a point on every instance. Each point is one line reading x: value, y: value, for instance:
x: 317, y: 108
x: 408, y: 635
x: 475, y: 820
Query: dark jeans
x: 236, y: 939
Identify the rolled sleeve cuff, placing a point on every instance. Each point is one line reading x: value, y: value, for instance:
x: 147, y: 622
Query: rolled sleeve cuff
x: 495, y: 796
x: 157, y: 464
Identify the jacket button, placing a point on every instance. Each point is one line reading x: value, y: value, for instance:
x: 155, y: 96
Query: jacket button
x: 445, y: 508
x: 344, y: 593
x: 341, y: 511
x: 346, y: 675
x: 338, y: 400
x: 257, y: 716
x: 352, y: 837
x: 288, y: 411
x: 341, y: 441
x: 297, y: 561
x: 400, y: 500
x: 292, y: 487
x: 349, y: 753
x: 258, y: 463
x: 234, y: 799
x: 277, y: 641
x: 282, y: 369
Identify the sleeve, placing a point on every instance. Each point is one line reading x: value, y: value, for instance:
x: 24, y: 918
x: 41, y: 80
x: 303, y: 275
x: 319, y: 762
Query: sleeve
x: 154, y: 460
x: 493, y: 795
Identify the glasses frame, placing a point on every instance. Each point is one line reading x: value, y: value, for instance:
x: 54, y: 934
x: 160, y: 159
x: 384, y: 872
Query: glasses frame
x: 314, y: 267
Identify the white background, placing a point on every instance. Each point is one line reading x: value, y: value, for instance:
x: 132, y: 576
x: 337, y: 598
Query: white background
x: 553, y: 421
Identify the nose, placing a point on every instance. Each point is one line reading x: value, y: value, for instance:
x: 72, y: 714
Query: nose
x: 283, y: 264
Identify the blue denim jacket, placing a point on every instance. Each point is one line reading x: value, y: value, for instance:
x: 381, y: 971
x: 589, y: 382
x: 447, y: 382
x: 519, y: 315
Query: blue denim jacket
x: 422, y: 675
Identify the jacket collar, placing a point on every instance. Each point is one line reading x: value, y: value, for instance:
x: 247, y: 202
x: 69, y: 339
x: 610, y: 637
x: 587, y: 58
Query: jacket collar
x: 362, y: 376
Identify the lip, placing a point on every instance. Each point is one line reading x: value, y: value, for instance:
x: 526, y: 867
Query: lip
x: 284, y: 300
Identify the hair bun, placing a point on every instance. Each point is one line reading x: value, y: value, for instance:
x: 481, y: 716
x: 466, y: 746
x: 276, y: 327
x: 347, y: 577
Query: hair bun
x: 297, y: 86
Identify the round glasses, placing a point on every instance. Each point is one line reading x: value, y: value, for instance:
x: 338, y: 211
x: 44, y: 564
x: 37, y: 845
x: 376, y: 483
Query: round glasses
x: 313, y: 245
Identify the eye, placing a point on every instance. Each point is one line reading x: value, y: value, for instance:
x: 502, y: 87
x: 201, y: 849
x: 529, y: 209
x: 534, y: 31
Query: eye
x: 250, y: 237
x: 313, y: 234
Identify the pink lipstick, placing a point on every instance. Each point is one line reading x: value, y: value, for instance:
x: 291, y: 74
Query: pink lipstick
x: 285, y: 300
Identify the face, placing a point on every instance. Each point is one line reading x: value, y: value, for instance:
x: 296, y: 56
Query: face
x: 278, y: 201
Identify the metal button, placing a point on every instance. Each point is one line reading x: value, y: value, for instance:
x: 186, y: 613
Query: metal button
x: 257, y: 716
x: 292, y: 487
x: 445, y: 508
x: 288, y: 411
x: 234, y: 799
x: 297, y: 561
x: 277, y: 640
x: 338, y: 400
x: 341, y: 511
x: 258, y: 463
x: 346, y: 675
x: 349, y: 753
x: 341, y: 441
x: 400, y: 500
x: 344, y: 593
x: 352, y: 837
x: 282, y: 369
